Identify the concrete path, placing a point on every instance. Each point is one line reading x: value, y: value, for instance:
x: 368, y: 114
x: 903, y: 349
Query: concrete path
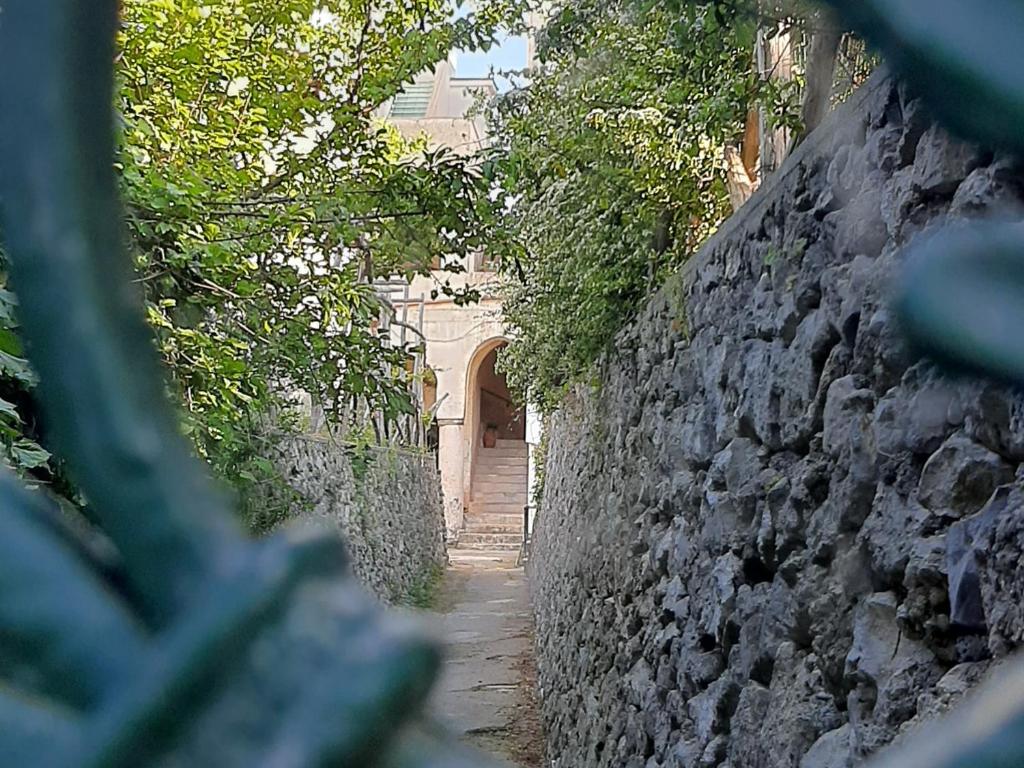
x: 487, y: 691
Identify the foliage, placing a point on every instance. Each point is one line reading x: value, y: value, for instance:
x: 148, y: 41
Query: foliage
x: 540, y: 462
x: 19, y: 430
x: 361, y: 447
x: 424, y: 594
x: 265, y: 193
x: 611, y: 159
x: 266, y: 499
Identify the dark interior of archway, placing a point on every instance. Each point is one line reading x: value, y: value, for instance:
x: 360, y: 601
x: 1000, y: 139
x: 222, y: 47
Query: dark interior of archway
x: 497, y: 409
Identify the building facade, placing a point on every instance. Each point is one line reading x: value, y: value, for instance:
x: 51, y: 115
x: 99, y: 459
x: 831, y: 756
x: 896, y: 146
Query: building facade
x: 483, y: 454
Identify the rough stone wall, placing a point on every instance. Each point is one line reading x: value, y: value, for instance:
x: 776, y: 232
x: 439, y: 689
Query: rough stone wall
x: 388, y: 508
x: 771, y: 538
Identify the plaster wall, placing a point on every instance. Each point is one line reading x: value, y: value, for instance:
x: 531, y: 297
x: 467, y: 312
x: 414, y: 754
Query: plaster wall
x: 448, y: 120
x: 457, y: 339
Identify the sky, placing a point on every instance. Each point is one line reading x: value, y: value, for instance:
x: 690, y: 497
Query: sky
x: 509, y: 54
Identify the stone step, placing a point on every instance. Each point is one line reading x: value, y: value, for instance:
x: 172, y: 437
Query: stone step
x: 486, y: 493
x: 501, y: 470
x: 519, y: 449
x: 500, y: 493
x: 503, y: 467
x: 486, y: 525
x: 520, y: 477
x: 503, y: 495
x: 490, y: 547
x: 502, y: 453
x: 488, y: 506
x: 489, y: 540
x: 495, y: 519
x: 498, y: 518
x: 478, y: 526
x: 499, y: 506
x: 501, y: 557
x: 494, y: 508
x: 502, y: 464
x: 516, y: 444
x: 514, y: 480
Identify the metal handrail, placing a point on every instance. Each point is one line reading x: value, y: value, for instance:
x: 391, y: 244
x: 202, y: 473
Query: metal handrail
x: 524, y: 549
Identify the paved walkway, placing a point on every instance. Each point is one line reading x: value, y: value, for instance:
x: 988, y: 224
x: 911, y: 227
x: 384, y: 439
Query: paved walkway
x: 487, y: 692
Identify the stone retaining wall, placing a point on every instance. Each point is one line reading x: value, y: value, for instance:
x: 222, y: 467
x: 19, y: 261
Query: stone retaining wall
x: 387, y: 506
x: 772, y: 539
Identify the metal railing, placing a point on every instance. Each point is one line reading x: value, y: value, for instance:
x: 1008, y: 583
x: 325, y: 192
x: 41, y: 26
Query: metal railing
x: 524, y: 550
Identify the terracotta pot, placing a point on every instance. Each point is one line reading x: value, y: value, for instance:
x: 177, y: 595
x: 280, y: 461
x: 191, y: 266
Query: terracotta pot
x: 490, y: 437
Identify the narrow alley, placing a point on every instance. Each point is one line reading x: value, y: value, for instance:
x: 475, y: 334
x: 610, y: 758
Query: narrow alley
x: 487, y: 693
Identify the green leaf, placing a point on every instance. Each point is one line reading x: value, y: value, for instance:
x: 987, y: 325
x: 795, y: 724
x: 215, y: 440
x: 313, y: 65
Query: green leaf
x: 10, y: 343
x: 9, y: 411
x: 29, y: 455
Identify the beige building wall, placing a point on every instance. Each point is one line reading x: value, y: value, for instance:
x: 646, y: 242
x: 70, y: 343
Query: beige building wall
x: 439, y: 105
x: 457, y: 338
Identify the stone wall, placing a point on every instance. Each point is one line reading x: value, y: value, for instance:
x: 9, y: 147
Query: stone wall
x: 771, y: 538
x: 386, y: 503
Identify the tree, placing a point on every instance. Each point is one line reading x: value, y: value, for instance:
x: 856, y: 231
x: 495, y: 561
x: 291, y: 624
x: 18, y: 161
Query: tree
x: 644, y: 124
x: 264, y: 192
x: 612, y: 162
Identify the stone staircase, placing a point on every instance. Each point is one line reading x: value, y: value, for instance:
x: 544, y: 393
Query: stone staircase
x: 494, y: 520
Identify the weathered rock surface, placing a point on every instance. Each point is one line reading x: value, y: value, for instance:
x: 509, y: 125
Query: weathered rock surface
x: 772, y: 539
x: 389, y: 512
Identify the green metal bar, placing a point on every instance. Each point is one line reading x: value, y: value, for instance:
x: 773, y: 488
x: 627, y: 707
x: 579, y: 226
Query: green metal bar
x: 35, y: 733
x: 962, y: 298
x: 101, y: 390
x: 62, y: 634
x: 986, y: 733
x: 964, y: 56
x: 345, y: 684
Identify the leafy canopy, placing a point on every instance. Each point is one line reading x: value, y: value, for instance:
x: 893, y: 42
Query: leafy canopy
x: 264, y: 193
x: 612, y: 162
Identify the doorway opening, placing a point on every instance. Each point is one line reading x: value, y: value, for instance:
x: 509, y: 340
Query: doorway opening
x: 498, y: 457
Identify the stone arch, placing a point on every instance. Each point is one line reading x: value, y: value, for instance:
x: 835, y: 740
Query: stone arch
x: 483, y: 403
x: 476, y: 361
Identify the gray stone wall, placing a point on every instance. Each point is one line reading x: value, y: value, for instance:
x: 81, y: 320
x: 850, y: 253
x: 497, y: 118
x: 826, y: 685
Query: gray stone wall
x: 387, y: 505
x: 771, y: 538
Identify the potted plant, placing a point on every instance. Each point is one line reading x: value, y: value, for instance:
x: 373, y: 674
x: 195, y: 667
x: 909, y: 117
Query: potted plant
x: 490, y: 435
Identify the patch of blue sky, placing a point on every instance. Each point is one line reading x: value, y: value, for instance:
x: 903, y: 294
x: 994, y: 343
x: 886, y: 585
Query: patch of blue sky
x: 509, y: 54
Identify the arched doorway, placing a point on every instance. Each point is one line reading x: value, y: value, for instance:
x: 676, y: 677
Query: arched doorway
x: 497, y: 456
